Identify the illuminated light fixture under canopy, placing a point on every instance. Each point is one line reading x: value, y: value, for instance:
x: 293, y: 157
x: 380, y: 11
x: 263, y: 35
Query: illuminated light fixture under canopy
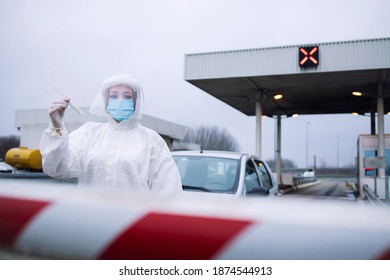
x: 295, y: 115
x: 355, y: 113
x: 278, y: 96
x: 357, y: 93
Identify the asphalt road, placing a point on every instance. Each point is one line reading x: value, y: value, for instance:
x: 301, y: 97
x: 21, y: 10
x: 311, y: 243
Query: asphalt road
x: 327, y: 188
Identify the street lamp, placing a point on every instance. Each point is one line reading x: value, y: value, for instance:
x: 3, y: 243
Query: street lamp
x: 307, y: 145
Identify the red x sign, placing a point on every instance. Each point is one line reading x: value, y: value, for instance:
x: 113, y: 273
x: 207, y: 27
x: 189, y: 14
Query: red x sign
x: 308, y: 56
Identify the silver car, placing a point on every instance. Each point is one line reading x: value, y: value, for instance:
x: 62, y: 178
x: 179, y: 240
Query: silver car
x: 230, y: 173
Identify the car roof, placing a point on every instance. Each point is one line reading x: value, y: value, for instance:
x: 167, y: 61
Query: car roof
x: 207, y: 153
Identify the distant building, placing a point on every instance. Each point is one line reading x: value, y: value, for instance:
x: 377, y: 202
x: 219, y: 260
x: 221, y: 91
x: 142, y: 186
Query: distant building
x: 31, y: 123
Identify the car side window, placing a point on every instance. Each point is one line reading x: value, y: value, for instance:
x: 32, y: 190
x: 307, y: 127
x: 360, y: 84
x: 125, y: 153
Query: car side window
x: 265, y: 177
x: 252, y: 183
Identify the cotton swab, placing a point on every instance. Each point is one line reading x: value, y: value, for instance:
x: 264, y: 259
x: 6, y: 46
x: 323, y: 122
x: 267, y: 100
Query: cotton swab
x: 76, y: 108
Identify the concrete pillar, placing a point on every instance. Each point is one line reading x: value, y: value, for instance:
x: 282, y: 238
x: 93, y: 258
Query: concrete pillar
x: 259, y: 115
x: 381, y: 128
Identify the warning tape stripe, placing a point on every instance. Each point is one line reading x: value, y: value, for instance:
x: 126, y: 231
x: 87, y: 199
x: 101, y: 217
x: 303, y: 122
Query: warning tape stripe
x: 76, y: 231
x: 290, y: 241
x: 73, y: 230
x: 385, y: 255
x: 59, y: 229
x: 168, y: 236
x: 15, y: 213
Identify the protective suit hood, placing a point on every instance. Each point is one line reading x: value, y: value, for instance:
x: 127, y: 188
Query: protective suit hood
x: 99, y: 104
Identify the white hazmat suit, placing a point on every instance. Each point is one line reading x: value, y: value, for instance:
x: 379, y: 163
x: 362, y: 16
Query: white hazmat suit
x: 120, y: 155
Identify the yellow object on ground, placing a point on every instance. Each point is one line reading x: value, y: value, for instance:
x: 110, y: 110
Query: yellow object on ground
x: 25, y: 158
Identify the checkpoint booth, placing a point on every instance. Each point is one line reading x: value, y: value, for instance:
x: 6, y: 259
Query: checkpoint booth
x: 369, y: 163
x: 306, y: 79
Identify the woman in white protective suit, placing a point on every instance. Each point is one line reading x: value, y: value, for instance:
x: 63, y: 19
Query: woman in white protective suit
x: 120, y: 153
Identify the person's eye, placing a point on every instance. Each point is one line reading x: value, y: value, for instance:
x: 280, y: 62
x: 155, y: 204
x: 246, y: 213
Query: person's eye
x: 128, y: 97
x: 113, y: 96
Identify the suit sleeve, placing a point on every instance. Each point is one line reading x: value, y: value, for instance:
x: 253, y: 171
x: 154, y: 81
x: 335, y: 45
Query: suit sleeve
x: 164, y: 176
x: 62, y: 152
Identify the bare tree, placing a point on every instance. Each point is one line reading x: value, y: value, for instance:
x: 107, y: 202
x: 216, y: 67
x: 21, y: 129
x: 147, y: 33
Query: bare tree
x: 286, y: 163
x: 212, y: 138
x: 8, y: 142
x: 323, y: 163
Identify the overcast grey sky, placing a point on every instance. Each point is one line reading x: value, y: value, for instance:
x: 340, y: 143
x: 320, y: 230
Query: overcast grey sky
x: 74, y: 45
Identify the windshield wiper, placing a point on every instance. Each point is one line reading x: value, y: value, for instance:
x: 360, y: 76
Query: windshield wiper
x: 186, y: 187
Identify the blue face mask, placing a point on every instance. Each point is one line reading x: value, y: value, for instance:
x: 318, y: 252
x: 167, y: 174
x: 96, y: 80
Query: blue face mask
x: 120, y: 109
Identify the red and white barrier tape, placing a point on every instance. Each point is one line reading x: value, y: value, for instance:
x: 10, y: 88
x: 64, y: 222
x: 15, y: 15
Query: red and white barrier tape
x: 174, y: 228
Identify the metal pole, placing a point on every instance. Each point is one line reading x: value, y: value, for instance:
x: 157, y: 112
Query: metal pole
x: 278, y: 163
x: 372, y: 116
x: 375, y: 183
x: 338, y: 166
x: 307, y: 145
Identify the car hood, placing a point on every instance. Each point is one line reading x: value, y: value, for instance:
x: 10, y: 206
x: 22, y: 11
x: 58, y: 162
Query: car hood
x: 195, y: 194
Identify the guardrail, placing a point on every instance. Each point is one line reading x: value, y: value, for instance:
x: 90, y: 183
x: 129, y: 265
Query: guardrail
x: 372, y: 197
x: 303, y: 180
x: 289, y: 180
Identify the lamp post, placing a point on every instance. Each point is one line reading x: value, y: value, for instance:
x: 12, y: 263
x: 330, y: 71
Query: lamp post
x: 307, y: 145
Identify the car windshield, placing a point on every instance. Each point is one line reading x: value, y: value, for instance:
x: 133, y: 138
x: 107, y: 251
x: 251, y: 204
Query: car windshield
x: 210, y: 174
